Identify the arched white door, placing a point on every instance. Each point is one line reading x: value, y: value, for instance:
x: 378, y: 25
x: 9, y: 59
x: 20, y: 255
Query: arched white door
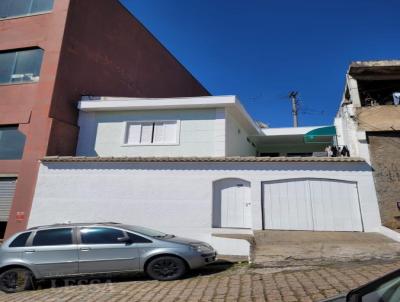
x: 233, y: 203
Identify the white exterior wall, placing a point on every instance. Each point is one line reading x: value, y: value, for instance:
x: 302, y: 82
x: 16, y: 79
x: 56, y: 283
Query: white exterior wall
x: 202, y: 133
x: 348, y: 133
x: 236, y: 139
x: 175, y: 197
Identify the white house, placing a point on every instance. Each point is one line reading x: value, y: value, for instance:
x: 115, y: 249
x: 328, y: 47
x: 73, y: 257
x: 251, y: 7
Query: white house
x: 188, y: 166
x: 201, y: 126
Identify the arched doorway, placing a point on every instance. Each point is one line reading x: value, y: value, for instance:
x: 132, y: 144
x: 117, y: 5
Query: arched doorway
x: 232, y: 203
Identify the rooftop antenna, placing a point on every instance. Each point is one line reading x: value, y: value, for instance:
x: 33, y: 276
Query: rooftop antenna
x: 295, y: 103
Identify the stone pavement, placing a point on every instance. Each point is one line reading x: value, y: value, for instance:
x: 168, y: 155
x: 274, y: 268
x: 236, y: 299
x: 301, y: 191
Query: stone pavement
x: 222, y: 282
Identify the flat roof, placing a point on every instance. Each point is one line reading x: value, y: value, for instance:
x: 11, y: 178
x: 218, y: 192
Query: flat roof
x: 107, y: 103
x: 87, y: 159
x: 231, y: 102
x: 373, y: 70
x: 377, y: 63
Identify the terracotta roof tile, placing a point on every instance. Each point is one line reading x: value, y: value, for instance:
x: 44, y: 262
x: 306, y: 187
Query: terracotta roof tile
x: 199, y: 159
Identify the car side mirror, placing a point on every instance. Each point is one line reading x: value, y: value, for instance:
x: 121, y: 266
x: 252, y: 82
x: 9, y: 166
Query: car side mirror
x: 124, y: 239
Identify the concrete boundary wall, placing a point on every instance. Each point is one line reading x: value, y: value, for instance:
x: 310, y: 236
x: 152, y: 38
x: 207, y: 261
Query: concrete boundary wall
x: 176, y: 197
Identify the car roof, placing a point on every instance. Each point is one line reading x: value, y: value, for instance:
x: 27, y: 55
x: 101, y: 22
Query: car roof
x: 75, y: 224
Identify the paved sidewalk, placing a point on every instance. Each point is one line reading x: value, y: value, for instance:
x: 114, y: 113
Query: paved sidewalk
x: 294, y: 248
x: 221, y: 283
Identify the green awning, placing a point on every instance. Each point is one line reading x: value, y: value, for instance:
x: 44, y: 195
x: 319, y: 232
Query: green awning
x: 320, y: 135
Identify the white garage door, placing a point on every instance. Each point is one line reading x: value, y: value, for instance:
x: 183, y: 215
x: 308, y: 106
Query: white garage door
x: 311, y: 204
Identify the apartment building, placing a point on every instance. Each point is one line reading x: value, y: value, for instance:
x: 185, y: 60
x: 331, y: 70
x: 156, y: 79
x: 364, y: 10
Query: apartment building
x: 51, y: 54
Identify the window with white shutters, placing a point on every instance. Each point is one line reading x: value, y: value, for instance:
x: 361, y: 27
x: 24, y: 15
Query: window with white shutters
x: 151, y: 133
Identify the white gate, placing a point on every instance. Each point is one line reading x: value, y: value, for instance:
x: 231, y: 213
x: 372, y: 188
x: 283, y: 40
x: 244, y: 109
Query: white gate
x: 311, y: 204
x: 232, y: 205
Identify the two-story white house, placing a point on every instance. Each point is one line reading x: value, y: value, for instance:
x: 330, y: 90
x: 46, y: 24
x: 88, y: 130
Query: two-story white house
x: 201, y: 127
x: 188, y: 166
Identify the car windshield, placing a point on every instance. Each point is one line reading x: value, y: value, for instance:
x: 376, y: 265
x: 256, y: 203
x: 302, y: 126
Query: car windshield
x: 144, y: 231
x: 387, y: 292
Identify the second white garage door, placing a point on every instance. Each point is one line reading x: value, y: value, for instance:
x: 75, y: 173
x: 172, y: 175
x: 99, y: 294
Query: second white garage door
x: 311, y: 204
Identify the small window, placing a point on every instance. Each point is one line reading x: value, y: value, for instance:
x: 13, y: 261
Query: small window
x: 138, y: 239
x: 20, y: 241
x: 20, y: 66
x: 151, y: 133
x: 12, y: 143
x: 19, y: 8
x: 100, y: 236
x: 60, y: 236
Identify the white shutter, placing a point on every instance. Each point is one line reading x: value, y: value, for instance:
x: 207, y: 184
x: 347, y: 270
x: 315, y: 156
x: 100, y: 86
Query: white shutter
x: 147, y: 133
x: 7, y: 190
x: 133, y: 136
x: 159, y: 133
x: 170, y: 131
x: 164, y: 132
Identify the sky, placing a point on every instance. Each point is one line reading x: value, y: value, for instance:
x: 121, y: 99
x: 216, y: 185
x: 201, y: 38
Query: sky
x: 260, y: 50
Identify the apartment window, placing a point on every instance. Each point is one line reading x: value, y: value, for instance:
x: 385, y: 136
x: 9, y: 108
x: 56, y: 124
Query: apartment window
x: 19, y: 8
x: 12, y: 142
x: 20, y: 66
x: 151, y: 133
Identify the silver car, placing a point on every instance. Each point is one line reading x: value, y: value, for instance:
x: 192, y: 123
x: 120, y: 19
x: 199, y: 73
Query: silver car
x: 65, y: 250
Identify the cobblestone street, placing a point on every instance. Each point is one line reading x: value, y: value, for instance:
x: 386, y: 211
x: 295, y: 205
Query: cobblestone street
x: 218, y: 283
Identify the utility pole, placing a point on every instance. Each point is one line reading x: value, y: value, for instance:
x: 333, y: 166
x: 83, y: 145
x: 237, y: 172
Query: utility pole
x: 293, y: 97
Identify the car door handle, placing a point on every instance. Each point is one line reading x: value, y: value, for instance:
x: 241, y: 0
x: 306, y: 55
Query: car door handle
x: 29, y: 251
x: 85, y: 249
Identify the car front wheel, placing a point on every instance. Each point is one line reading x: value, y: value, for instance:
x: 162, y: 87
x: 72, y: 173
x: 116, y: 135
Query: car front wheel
x: 16, y: 280
x: 165, y: 268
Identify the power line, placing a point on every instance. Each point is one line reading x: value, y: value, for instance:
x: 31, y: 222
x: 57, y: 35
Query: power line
x: 306, y: 110
x: 395, y: 143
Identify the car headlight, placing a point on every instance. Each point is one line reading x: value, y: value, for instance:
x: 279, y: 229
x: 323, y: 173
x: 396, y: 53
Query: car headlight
x: 201, y: 247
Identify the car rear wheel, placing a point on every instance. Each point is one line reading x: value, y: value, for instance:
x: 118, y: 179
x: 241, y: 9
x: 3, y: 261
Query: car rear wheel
x: 165, y: 268
x: 16, y: 280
